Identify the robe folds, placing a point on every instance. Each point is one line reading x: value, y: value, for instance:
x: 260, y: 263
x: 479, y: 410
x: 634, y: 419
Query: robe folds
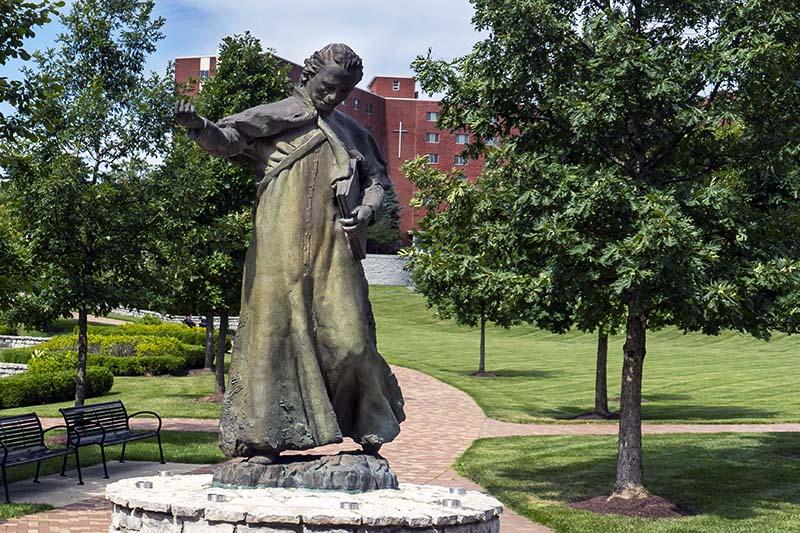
x: 306, y: 369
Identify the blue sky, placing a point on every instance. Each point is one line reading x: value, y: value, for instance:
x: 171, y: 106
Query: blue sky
x: 387, y: 34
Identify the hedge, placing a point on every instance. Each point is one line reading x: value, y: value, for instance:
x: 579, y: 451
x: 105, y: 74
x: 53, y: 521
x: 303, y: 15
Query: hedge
x: 50, y: 387
x: 52, y: 361
x: 120, y: 345
x: 185, y: 334
x: 16, y: 355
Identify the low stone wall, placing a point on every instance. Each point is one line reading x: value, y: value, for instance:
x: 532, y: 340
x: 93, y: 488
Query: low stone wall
x: 180, y: 504
x: 12, y: 341
x: 386, y: 270
x: 12, y: 369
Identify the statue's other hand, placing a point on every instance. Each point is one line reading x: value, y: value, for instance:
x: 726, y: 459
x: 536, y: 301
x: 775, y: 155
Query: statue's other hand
x: 186, y: 116
x: 361, y: 217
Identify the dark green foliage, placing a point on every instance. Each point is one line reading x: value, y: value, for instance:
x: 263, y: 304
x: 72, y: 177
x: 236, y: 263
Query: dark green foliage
x: 209, y: 200
x: 16, y: 355
x: 648, y: 169
x: 383, y: 237
x: 18, y: 19
x: 152, y: 365
x: 36, y: 389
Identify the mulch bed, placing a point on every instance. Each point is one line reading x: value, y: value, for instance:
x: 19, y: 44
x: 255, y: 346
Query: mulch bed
x: 649, y: 507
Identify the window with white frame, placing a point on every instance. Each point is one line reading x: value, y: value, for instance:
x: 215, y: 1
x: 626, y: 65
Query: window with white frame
x: 462, y: 138
x: 491, y: 141
x: 433, y: 159
x: 396, y: 85
x: 460, y: 161
x: 431, y: 116
x: 357, y: 104
x: 432, y: 138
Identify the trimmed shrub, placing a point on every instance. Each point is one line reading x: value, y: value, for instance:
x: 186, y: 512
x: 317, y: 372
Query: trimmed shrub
x: 121, y: 345
x: 16, y: 355
x: 183, y: 333
x: 151, y: 320
x: 52, y: 361
x: 48, y: 387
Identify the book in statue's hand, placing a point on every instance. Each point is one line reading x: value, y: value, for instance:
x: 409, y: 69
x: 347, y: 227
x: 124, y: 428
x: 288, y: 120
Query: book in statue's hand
x: 348, y: 197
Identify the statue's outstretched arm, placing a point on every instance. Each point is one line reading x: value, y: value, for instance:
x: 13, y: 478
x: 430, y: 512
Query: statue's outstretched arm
x: 222, y: 142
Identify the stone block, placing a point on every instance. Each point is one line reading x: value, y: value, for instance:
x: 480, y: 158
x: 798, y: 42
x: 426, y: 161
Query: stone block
x: 203, y: 526
x: 153, y: 522
x: 265, y: 528
x: 126, y: 519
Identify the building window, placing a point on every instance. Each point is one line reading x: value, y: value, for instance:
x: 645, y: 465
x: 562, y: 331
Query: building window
x: 204, y: 74
x: 460, y: 161
x: 344, y: 103
x: 462, y: 138
x: 433, y: 159
x: 432, y: 138
x: 396, y: 85
x: 491, y: 141
x: 369, y: 109
x: 431, y: 116
x: 357, y: 104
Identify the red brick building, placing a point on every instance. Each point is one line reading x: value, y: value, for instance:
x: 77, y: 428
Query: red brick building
x: 403, y: 125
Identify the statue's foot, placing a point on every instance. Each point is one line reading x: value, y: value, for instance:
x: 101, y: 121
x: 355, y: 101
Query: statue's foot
x: 371, y: 447
x: 266, y: 459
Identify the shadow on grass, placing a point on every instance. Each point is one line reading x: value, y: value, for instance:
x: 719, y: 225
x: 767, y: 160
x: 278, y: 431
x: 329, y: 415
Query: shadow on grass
x: 509, y: 373
x: 727, y: 476
x: 684, y: 413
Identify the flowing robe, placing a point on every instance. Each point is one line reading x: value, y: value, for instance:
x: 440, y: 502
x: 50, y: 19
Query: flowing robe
x: 306, y: 370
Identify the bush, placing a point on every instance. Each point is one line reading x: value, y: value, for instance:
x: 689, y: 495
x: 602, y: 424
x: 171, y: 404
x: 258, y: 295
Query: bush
x: 121, y: 345
x: 185, y: 334
x: 53, y: 361
x: 49, y: 387
x: 151, y: 320
x: 7, y: 330
x: 16, y: 355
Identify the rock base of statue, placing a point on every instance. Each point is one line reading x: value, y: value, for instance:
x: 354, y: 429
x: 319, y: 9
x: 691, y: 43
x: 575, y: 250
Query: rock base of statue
x: 190, y: 503
x: 351, y: 472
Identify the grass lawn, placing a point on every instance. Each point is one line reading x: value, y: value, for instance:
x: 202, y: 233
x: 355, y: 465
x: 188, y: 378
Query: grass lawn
x: 179, y: 447
x: 543, y: 377
x: 746, y: 482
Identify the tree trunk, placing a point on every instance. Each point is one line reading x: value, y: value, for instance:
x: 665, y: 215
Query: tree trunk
x: 220, y: 363
x: 601, y: 381
x: 209, y: 360
x: 482, y: 363
x: 630, y: 476
x: 83, y: 348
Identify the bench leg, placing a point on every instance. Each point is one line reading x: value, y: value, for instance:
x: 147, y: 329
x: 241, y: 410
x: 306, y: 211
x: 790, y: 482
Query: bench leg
x: 78, y: 466
x: 5, y: 484
x: 160, y: 448
x: 38, y: 468
x: 103, y: 457
x: 64, y: 466
x: 122, y: 455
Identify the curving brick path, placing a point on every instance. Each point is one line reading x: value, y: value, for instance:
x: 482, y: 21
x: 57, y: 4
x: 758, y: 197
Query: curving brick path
x: 442, y: 423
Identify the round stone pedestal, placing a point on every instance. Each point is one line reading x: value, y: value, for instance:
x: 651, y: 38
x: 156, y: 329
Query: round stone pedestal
x: 191, y: 504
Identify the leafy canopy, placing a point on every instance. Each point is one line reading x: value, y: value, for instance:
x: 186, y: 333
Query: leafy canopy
x: 652, y: 147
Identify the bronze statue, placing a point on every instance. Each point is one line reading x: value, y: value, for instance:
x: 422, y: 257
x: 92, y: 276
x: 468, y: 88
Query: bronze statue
x: 306, y: 371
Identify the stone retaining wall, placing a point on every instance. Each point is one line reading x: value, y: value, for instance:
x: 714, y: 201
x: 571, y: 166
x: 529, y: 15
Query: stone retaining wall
x: 12, y: 369
x: 12, y: 341
x: 386, y: 270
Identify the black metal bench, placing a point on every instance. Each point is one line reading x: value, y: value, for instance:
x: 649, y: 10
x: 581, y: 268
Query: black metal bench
x: 22, y: 442
x: 106, y: 424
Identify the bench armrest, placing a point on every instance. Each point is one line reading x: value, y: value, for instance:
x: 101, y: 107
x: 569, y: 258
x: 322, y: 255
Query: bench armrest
x: 5, y: 452
x: 73, y: 429
x: 147, y: 413
x: 56, y: 427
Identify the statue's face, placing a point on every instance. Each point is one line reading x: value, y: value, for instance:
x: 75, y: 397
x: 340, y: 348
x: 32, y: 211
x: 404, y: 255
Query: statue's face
x: 330, y: 87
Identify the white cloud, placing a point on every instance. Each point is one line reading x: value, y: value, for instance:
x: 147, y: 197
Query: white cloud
x: 387, y: 35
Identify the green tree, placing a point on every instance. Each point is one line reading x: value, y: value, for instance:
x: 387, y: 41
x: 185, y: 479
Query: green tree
x: 81, y: 186
x: 463, y: 258
x: 18, y: 19
x: 654, y: 149
x: 210, y: 200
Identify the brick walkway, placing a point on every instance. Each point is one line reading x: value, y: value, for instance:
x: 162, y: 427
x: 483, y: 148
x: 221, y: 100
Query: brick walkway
x: 442, y: 423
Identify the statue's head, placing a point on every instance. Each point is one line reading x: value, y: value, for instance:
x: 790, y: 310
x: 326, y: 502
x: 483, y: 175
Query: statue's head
x: 330, y: 74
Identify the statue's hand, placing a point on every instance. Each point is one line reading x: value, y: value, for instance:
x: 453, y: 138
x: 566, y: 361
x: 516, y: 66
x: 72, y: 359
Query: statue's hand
x: 185, y: 115
x: 361, y: 217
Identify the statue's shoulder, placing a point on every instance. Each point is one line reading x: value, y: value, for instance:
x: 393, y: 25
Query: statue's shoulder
x: 269, y: 119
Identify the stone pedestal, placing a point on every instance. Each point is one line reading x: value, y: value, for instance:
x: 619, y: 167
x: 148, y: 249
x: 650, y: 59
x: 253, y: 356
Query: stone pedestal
x: 181, y: 504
